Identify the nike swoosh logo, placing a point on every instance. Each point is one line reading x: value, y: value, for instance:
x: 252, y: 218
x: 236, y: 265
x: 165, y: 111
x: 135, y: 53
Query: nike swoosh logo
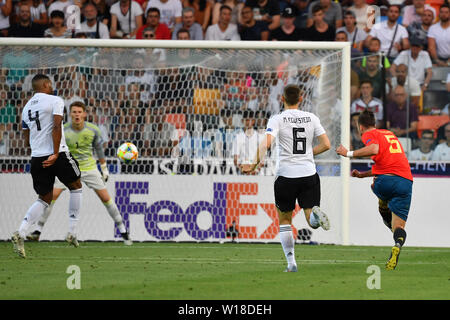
x: 401, y: 238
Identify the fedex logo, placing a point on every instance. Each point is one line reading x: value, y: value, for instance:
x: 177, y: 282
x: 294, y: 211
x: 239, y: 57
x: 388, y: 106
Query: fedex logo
x: 253, y: 220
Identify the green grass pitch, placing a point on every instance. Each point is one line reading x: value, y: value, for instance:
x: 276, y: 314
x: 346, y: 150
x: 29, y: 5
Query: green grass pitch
x: 212, y: 271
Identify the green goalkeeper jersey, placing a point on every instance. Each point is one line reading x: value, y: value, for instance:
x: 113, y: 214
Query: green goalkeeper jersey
x: 83, y: 143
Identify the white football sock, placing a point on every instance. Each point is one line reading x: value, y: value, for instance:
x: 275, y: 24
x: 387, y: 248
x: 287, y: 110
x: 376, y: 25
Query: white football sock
x: 45, y: 216
x: 33, y: 214
x: 287, y: 242
x: 113, y: 211
x: 74, y: 209
x: 314, y: 220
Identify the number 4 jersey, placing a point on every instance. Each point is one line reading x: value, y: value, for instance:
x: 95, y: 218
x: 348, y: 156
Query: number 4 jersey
x: 37, y: 116
x: 295, y: 130
x: 391, y: 159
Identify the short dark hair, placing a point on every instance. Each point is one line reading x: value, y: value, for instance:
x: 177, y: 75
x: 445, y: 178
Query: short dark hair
x: 77, y: 104
x: 35, y: 82
x: 367, y: 119
x: 428, y: 131
x: 57, y: 14
x: 224, y: 6
x: 183, y: 30
x: 365, y: 81
x: 291, y: 94
x: 153, y: 9
x: 375, y: 39
x: 316, y: 8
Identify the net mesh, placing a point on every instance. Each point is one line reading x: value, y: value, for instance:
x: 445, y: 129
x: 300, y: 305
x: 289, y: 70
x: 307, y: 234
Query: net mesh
x: 182, y: 105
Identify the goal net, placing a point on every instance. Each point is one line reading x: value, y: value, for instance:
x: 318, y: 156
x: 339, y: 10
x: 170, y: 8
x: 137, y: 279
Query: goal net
x: 183, y: 104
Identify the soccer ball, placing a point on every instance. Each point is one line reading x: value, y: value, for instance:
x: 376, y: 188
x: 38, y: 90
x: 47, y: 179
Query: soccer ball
x: 127, y: 152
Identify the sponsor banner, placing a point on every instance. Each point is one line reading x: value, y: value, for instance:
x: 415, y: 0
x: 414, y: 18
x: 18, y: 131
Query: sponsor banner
x: 418, y: 169
x: 173, y: 208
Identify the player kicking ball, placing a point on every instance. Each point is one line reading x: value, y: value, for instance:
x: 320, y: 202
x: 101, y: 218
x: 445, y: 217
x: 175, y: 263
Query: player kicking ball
x: 392, y: 178
x: 296, y: 175
x: 83, y: 138
x: 50, y: 157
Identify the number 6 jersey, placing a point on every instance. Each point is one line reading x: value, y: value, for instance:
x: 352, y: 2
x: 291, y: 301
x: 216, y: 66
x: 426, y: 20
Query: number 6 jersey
x: 37, y: 116
x: 391, y: 159
x: 295, y: 130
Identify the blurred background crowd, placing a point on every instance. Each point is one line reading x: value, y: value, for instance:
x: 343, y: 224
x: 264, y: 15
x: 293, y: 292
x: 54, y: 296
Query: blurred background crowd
x: 400, y: 69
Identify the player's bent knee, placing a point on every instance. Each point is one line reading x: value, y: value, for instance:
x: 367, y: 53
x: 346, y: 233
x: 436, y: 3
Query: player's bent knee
x: 75, y: 185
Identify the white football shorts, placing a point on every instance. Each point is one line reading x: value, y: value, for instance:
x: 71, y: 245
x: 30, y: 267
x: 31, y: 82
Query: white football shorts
x: 92, y: 179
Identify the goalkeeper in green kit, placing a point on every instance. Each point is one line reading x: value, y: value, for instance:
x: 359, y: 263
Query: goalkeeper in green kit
x: 83, y: 138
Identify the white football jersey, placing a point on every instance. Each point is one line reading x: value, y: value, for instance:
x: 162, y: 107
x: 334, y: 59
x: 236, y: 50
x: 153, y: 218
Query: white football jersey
x: 37, y: 116
x: 294, y: 131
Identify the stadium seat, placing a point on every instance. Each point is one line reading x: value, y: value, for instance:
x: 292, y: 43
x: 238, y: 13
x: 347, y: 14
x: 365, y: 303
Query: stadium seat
x: 205, y: 101
x: 427, y: 122
x: 440, y: 73
x: 435, y: 99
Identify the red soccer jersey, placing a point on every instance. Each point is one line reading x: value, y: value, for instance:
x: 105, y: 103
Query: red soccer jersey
x: 391, y: 159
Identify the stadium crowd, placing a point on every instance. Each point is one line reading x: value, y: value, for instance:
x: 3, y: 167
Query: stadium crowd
x: 400, y: 67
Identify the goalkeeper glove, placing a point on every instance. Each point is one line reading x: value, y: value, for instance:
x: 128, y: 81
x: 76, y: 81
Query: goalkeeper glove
x: 105, y: 172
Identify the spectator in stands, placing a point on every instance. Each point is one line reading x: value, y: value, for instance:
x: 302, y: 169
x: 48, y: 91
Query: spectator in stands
x: 103, y: 13
x: 236, y: 8
x: 319, y: 30
x: 418, y: 62
x: 414, y: 12
x: 4, y: 140
x: 162, y: 136
x: 355, y: 35
x: 355, y: 141
x: 202, y: 12
x: 61, y: 5
x: 224, y: 29
x: 57, y: 29
x: 37, y: 9
x: 419, y: 29
x: 246, y: 141
x: 188, y: 22
x: 287, y: 31
x: 170, y: 10
x: 396, y: 111
x: 127, y: 23
x: 410, y: 84
x: 374, y: 48
x: 250, y: 29
x: 425, y: 150
x: 332, y: 13
x: 6, y: 8
x: 139, y: 75
x: 93, y: 28
x: 367, y: 101
x: 26, y: 28
x: 442, y: 151
x: 269, y: 11
x: 441, y: 132
x: 393, y: 36
x: 439, y: 39
x: 161, y: 30
x: 301, y: 7
x: 359, y: 8
x: 372, y: 73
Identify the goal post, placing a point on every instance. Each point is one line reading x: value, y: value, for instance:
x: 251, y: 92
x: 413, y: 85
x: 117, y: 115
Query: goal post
x: 174, y: 104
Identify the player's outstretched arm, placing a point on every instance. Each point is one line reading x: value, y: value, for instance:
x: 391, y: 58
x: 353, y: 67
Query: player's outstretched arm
x: 366, y: 151
x: 324, y: 144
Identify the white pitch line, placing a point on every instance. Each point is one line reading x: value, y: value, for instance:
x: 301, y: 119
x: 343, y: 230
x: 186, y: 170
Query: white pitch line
x: 255, y: 247
x: 217, y: 261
